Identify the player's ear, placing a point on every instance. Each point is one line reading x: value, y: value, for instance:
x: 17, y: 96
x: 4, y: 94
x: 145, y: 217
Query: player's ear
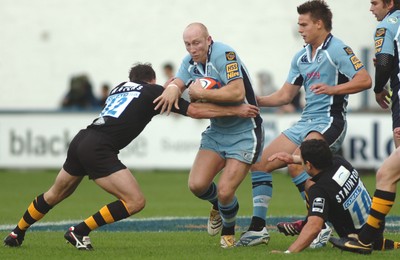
x: 153, y: 81
x: 209, y: 39
x: 308, y: 165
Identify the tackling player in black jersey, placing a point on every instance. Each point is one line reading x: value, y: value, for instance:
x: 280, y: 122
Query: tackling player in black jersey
x: 94, y: 152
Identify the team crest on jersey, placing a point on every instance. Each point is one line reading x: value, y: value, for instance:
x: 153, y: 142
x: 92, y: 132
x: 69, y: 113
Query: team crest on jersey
x: 318, y: 205
x: 380, y: 32
x: 392, y: 20
x: 230, y: 55
x: 196, y: 71
x: 232, y: 70
x: 378, y: 45
x: 348, y: 50
x: 357, y: 64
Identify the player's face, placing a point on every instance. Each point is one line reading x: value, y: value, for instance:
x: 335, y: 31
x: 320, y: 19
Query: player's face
x: 197, y: 43
x: 309, y: 30
x: 380, y: 9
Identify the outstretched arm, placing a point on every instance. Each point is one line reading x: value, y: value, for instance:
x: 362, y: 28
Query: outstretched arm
x: 283, y: 96
x: 285, y: 157
x: 170, y: 96
x: 309, y: 232
x: 209, y: 110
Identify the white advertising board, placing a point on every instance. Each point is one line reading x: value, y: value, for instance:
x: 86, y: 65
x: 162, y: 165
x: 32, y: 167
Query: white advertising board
x: 40, y: 140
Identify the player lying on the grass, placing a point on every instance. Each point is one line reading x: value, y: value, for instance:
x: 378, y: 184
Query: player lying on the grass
x: 335, y: 193
x: 94, y: 152
x: 386, y: 185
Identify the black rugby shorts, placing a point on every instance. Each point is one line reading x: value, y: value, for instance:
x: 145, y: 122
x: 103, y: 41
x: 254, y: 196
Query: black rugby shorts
x: 92, y: 153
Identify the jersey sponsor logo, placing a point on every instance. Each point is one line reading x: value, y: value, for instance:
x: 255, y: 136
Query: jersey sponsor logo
x: 314, y: 75
x: 318, y: 205
x: 380, y: 32
x: 127, y: 87
x: 230, y: 55
x: 352, y: 197
x: 232, y: 70
x: 348, y: 50
x: 341, y: 176
x: 357, y: 64
x: 378, y: 45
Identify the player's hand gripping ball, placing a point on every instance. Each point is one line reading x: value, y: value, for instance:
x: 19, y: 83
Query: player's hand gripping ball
x: 206, y: 83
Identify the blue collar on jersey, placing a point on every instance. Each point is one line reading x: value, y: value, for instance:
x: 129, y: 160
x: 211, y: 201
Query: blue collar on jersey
x: 390, y: 12
x: 327, y: 41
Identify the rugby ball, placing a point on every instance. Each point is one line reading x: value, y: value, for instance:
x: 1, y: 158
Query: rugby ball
x: 209, y: 83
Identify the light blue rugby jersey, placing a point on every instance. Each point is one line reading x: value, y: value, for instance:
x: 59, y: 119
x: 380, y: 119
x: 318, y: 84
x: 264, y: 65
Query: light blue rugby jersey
x: 387, y: 34
x: 387, y: 42
x: 334, y: 63
x: 224, y: 65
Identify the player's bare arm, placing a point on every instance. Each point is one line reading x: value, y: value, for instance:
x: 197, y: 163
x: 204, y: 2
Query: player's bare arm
x: 208, y: 110
x: 283, y: 96
x: 170, y: 96
x: 232, y: 92
x: 307, y: 234
x: 285, y: 157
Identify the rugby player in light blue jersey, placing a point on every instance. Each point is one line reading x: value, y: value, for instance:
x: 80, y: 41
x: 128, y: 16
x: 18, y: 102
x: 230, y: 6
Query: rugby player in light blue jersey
x: 387, y: 64
x: 230, y: 145
x: 329, y: 71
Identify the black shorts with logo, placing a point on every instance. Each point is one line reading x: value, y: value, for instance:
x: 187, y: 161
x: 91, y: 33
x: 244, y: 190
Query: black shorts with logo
x: 92, y: 153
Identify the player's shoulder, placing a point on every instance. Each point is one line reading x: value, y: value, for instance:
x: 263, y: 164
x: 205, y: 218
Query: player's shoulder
x: 153, y: 88
x: 389, y: 25
x: 220, y: 46
x: 221, y: 49
x: 334, y: 44
x: 337, y: 48
x: 301, y: 54
x: 392, y: 20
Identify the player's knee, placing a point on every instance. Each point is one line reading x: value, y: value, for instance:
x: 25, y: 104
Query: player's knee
x: 196, y: 188
x: 136, y: 205
x: 225, y: 195
x: 53, y: 197
x: 385, y: 179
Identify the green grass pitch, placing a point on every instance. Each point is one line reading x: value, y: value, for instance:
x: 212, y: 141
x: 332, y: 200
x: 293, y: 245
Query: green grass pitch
x: 167, y: 196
